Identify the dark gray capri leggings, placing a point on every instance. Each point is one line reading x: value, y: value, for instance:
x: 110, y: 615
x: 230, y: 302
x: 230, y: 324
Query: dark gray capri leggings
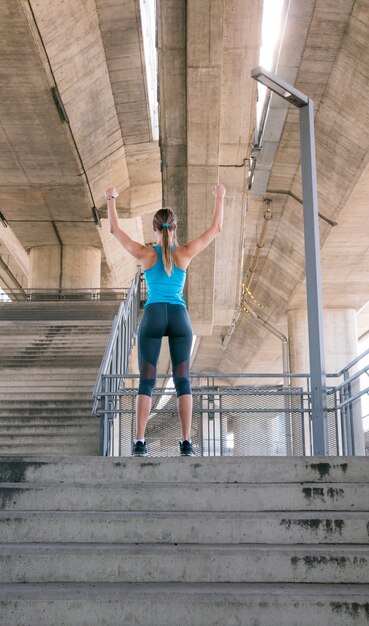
x: 164, y: 320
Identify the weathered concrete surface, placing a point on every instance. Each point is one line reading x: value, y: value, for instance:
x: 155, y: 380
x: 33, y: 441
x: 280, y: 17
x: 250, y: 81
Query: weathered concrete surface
x: 148, y: 563
x: 48, y: 372
x: 49, y: 164
x: 78, y: 496
x: 193, y: 604
x: 261, y: 470
x: 305, y: 567
x: 331, y: 70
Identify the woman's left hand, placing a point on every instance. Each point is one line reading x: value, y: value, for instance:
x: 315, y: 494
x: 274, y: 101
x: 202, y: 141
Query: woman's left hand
x: 111, y: 191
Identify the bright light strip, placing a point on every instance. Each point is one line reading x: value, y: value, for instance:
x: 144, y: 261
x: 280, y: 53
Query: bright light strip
x: 3, y: 296
x: 270, y: 37
x: 148, y: 20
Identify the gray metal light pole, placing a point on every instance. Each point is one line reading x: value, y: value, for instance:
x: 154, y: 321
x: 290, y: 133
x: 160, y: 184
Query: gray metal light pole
x: 312, y: 252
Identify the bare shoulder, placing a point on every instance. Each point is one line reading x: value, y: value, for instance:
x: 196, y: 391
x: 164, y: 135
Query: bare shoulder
x: 149, y: 257
x: 181, y: 257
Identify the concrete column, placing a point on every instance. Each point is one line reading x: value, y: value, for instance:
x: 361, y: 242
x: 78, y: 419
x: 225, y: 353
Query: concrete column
x: 67, y: 267
x: 45, y: 267
x: 341, y: 347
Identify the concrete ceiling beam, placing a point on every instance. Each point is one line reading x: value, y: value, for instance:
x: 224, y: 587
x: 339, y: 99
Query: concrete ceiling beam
x: 72, y: 39
x: 204, y: 73
x: 172, y: 107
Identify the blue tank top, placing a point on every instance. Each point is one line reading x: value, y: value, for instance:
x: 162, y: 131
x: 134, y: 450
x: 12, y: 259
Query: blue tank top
x: 164, y: 288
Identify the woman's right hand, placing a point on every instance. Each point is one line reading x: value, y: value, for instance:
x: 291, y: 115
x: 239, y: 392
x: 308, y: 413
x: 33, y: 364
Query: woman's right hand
x: 219, y: 191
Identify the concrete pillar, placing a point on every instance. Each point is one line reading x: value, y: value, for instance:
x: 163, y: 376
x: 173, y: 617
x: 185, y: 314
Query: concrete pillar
x: 66, y: 267
x: 341, y: 347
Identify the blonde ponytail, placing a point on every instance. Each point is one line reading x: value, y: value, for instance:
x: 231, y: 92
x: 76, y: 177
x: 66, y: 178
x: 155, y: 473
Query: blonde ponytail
x: 165, y: 220
x: 167, y: 252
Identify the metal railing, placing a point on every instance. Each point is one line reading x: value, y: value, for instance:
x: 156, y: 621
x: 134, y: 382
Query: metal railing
x: 51, y: 295
x: 233, y: 414
x: 346, y: 396
x: 229, y: 418
x: 114, y: 365
x: 237, y: 414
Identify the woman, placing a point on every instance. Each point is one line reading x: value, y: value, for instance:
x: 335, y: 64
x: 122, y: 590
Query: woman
x: 165, y: 312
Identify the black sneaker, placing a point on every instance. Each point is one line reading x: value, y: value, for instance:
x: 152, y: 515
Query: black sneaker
x: 186, y: 448
x: 139, y: 449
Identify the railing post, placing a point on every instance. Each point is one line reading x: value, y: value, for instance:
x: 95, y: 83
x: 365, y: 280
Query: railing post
x: 347, y: 421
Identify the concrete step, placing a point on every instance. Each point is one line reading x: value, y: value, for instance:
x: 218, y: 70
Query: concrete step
x: 38, y: 413
x: 44, y: 382
x: 15, y: 383
x: 45, y: 334
x: 91, y: 342
x: 43, y: 401
x: 52, y: 352
x: 171, y: 496
x: 58, y: 311
x: 197, y: 527
x: 43, y: 388
x: 56, y: 374
x: 45, y: 339
x: 60, y: 361
x: 69, y: 448
x: 25, y: 358
x: 193, y: 604
x: 34, y: 416
x: 39, y: 372
x: 190, y: 563
x: 36, y: 324
x: 260, y: 470
x: 53, y: 395
x: 35, y: 330
x: 55, y: 436
x: 28, y: 418
x: 48, y: 429
x: 45, y: 365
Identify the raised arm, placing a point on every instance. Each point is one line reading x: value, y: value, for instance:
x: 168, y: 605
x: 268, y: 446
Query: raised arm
x: 198, y: 245
x: 138, y: 250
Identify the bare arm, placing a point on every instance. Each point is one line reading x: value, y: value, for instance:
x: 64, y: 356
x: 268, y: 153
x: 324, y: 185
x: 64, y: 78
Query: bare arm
x: 198, y: 245
x: 138, y: 250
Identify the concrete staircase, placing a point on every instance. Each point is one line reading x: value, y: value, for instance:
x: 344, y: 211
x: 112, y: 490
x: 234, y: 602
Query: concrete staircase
x: 50, y: 354
x: 192, y: 541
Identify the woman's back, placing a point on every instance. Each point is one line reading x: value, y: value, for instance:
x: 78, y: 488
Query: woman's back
x: 160, y: 286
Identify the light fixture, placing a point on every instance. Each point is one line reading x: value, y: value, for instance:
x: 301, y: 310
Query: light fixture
x: 280, y: 87
x: 3, y: 220
x: 312, y: 252
x: 59, y: 104
x: 96, y: 216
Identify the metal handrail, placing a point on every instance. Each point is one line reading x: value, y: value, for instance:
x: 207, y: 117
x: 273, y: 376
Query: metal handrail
x: 120, y: 342
x: 113, y: 385
x: 343, y: 413
x: 349, y: 365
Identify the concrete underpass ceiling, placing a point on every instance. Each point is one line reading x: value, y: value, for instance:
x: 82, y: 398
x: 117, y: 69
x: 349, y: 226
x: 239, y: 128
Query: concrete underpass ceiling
x: 54, y: 171
x: 333, y: 70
